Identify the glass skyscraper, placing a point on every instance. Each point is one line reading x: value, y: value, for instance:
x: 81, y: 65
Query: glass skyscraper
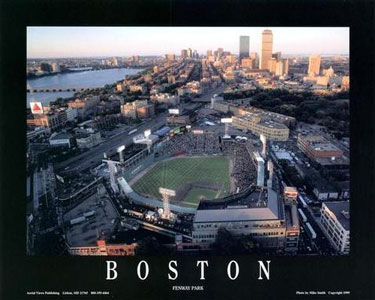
x: 244, y: 47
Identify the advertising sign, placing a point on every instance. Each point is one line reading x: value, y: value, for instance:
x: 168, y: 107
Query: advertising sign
x: 36, y: 108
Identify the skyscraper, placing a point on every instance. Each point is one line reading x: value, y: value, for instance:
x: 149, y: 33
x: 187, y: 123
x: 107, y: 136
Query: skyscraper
x: 170, y: 57
x: 244, y: 47
x: 266, y: 51
x: 190, y: 53
x: 184, y: 53
x: 253, y: 56
x: 314, y: 64
x: 286, y: 66
x: 282, y: 67
x: 220, y: 52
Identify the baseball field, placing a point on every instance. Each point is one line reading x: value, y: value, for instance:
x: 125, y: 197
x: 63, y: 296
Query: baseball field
x: 193, y: 179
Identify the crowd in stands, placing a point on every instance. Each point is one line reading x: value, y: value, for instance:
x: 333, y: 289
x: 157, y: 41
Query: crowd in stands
x: 193, y: 144
x: 243, y: 170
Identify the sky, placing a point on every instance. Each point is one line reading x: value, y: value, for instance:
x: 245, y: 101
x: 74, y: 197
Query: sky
x: 58, y: 42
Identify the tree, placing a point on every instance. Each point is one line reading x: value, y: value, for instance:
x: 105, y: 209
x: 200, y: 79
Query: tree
x: 151, y: 245
x: 227, y: 244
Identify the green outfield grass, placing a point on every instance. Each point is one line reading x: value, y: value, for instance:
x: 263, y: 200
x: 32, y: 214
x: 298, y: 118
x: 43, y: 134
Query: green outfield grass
x: 195, y: 194
x: 172, y: 174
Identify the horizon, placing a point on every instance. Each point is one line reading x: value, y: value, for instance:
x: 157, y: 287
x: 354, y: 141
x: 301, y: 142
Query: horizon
x: 50, y: 42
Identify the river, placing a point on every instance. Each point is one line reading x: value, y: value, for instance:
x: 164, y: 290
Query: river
x: 85, y: 79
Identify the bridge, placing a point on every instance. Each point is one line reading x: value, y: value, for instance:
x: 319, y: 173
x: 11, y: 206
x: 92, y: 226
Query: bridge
x: 55, y: 90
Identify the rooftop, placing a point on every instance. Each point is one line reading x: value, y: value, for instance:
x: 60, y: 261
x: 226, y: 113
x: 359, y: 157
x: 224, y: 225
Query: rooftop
x: 272, y: 124
x: 251, y: 205
x: 337, y: 161
x: 60, y: 136
x: 341, y: 210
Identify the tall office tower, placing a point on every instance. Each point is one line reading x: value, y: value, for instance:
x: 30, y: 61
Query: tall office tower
x: 279, y: 68
x: 266, y: 51
x: 220, y: 52
x: 244, y: 47
x: 190, y: 53
x: 184, y: 53
x: 314, y: 64
x: 271, y: 65
x: 55, y: 67
x: 170, y: 57
x: 285, y: 65
x: 209, y: 53
x: 46, y: 67
x: 195, y: 54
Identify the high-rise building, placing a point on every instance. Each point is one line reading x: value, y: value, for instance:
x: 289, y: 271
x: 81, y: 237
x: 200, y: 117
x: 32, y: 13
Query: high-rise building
x: 209, y: 53
x: 184, y: 53
x: 170, y: 57
x: 190, y: 53
x: 272, y: 65
x: 266, y: 51
x: 279, y: 68
x: 254, y: 57
x: 335, y: 221
x: 45, y: 67
x: 220, y: 52
x: 282, y: 67
x: 195, y: 54
x: 244, y: 47
x: 314, y: 64
x: 55, y: 67
x: 286, y: 66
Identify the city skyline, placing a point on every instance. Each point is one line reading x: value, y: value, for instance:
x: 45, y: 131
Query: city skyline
x: 50, y: 42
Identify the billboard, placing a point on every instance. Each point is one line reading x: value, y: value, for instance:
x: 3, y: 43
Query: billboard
x: 147, y: 133
x: 198, y: 131
x: 168, y: 192
x: 36, y: 108
x: 174, y: 111
x: 226, y: 120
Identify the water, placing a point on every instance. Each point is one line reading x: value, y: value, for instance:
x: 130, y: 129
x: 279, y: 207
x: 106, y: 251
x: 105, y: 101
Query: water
x: 86, y: 79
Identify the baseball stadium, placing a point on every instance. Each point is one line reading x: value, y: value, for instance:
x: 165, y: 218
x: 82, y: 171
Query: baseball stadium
x: 196, y: 166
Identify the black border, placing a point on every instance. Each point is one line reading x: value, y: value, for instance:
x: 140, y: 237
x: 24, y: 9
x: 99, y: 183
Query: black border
x: 20, y: 273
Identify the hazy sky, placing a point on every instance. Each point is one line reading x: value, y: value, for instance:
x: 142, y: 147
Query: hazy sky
x: 56, y: 42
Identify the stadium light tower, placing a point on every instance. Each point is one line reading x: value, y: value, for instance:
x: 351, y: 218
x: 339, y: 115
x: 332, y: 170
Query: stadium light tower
x: 260, y: 167
x: 270, y: 169
x: 149, y: 143
x: 147, y: 133
x: 120, y: 152
x: 112, y: 172
x: 263, y: 139
x: 226, y: 121
x: 166, y: 194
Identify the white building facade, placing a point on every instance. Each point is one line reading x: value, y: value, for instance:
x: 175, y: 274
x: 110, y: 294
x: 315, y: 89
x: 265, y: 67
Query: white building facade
x: 335, y: 219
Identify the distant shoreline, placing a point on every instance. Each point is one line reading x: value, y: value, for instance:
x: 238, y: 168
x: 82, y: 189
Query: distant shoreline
x: 31, y: 76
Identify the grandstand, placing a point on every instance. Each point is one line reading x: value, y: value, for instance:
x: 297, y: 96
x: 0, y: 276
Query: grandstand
x: 193, y: 178
x: 198, y: 166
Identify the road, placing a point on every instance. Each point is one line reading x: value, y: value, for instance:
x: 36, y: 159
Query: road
x: 206, y: 97
x: 94, y: 156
